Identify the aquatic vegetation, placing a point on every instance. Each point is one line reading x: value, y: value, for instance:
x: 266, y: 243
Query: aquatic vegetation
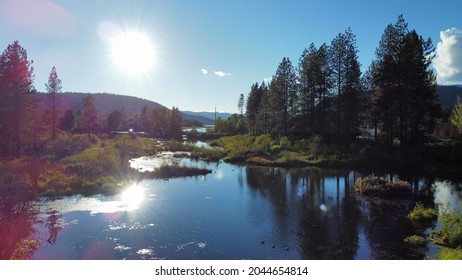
x: 450, y: 233
x: 415, y: 240
x: 422, y: 214
x: 207, y: 154
x: 377, y: 186
x: 171, y: 171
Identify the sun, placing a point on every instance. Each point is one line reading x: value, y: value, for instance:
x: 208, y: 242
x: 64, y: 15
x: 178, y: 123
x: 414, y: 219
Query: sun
x: 132, y: 52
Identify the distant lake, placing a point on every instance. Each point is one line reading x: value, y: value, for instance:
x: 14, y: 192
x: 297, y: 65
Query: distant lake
x: 236, y: 212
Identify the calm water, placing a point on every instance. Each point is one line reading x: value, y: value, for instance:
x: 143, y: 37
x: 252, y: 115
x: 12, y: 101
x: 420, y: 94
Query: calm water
x: 236, y: 212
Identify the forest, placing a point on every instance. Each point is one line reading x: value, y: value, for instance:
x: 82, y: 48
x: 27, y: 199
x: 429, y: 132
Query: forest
x: 327, y: 95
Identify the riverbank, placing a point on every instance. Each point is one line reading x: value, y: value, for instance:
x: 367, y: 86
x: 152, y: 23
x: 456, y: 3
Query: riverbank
x: 78, y: 164
x: 443, y: 159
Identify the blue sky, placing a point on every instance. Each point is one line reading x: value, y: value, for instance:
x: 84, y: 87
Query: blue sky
x: 208, y: 52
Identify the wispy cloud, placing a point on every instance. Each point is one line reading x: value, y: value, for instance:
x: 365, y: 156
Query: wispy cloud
x: 448, y: 59
x: 204, y: 71
x: 221, y: 74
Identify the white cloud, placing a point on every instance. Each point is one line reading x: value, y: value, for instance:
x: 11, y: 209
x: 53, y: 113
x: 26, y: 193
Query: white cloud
x: 204, y: 71
x: 448, y: 59
x: 267, y: 80
x: 221, y: 73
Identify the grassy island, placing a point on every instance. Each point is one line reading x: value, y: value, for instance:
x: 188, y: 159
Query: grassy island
x: 375, y: 186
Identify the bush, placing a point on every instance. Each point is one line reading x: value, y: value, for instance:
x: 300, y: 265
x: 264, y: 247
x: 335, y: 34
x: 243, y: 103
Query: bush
x: 422, y: 214
x: 262, y: 144
x: 450, y: 254
x: 67, y: 144
x: 415, y: 240
x: 375, y: 186
x: 450, y: 233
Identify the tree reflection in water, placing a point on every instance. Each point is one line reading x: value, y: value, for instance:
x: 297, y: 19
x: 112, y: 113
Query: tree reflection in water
x: 18, y: 215
x: 329, y: 219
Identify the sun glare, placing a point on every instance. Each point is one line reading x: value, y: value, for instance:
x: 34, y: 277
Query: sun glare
x: 133, y: 196
x: 132, y: 52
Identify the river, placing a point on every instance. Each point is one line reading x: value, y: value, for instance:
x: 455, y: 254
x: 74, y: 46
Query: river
x: 235, y: 212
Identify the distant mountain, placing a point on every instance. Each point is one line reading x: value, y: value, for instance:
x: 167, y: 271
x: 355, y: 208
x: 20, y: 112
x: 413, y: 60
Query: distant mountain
x: 210, y: 115
x: 448, y: 95
x: 108, y: 102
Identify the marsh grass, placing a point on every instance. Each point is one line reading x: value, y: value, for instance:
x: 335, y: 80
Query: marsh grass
x: 415, y: 240
x: 166, y: 171
x: 382, y: 187
x: 421, y: 214
x: 207, y: 154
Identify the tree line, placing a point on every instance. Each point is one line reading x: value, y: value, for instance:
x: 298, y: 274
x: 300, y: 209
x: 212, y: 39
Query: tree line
x: 327, y: 94
x: 27, y: 122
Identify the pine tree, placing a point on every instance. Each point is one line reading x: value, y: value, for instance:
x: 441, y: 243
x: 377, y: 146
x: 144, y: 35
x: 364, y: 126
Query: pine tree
x: 282, y: 98
x: 240, y: 105
x: 346, y: 78
x: 53, y: 91
x: 17, y: 96
x: 90, y: 115
x: 314, y: 74
x: 405, y: 85
x: 456, y: 116
x: 176, y: 123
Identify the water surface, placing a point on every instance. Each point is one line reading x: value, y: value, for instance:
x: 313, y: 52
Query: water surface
x: 236, y: 212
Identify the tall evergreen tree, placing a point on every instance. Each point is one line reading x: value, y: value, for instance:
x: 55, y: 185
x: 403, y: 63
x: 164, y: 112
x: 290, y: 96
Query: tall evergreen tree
x: 240, y: 104
x: 176, y: 122
x: 456, y: 116
x: 346, y: 79
x: 90, y: 115
x: 405, y: 86
x: 387, y: 77
x: 16, y: 99
x: 54, y: 87
x: 314, y: 74
x: 252, y: 109
x: 282, y: 98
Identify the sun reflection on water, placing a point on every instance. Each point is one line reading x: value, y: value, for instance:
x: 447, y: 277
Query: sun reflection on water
x: 133, y: 196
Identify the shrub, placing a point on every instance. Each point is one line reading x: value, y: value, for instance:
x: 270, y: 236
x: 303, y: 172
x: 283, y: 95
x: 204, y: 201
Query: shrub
x: 422, y: 214
x: 262, y: 144
x: 316, y: 146
x: 450, y: 233
x: 449, y: 254
x: 415, y: 240
x: 67, y: 144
